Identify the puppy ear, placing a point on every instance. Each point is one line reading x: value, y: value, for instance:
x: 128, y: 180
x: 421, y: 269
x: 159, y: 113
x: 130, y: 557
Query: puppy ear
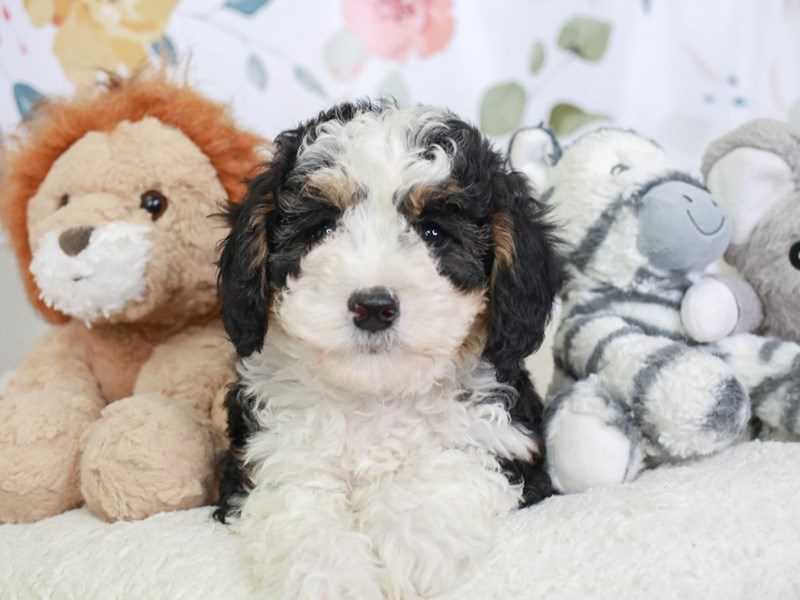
x: 750, y: 169
x: 532, y: 151
x: 242, y: 278
x: 527, y: 273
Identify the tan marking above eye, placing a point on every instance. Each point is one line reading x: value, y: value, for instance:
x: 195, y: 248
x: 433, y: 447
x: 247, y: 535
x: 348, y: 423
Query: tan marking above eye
x: 503, y: 237
x: 420, y: 196
x: 256, y: 225
x: 332, y: 186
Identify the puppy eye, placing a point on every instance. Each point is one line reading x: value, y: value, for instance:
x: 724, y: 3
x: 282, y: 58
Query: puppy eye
x: 794, y: 255
x: 154, y: 202
x: 619, y: 168
x: 323, y: 231
x: 433, y: 235
x: 63, y: 201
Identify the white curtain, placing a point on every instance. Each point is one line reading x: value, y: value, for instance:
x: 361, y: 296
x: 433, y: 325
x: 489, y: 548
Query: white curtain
x: 679, y: 71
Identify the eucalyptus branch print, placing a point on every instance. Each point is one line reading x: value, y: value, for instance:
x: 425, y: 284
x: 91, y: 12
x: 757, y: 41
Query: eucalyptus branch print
x: 502, y: 106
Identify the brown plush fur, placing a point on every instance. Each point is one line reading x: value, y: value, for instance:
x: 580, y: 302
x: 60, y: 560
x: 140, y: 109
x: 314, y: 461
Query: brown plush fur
x: 124, y: 415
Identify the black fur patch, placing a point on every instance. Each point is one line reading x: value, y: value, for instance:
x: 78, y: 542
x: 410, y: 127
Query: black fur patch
x: 527, y: 410
x: 465, y: 256
x: 521, y: 299
x: 235, y: 483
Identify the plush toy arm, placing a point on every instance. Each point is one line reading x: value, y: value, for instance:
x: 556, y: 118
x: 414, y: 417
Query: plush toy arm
x: 164, y: 428
x: 190, y: 368
x: 595, y: 343
x: 688, y: 402
x: 57, y: 366
x: 751, y: 311
x: 718, y: 306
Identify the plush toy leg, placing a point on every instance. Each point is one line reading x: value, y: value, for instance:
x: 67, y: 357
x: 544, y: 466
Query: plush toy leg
x: 146, y: 455
x: 39, y: 453
x: 770, y: 369
x: 686, y: 401
x: 591, y: 439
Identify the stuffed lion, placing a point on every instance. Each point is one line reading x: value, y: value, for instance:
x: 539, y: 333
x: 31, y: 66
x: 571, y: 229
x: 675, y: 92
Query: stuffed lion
x: 106, y: 198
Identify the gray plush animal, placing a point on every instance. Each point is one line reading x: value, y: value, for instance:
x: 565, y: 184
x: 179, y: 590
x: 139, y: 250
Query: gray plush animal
x: 636, y: 381
x: 755, y: 172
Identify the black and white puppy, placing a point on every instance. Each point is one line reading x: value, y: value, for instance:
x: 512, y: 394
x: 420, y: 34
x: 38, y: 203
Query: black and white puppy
x: 384, y: 278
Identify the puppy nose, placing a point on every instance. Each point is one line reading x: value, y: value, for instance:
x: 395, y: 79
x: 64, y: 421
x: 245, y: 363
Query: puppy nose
x: 74, y: 240
x: 374, y: 309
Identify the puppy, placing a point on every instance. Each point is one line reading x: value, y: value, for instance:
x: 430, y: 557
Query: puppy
x: 383, y: 280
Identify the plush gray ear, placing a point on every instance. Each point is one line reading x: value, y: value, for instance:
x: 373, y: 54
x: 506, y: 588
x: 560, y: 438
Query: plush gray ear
x: 751, y: 169
x: 533, y: 150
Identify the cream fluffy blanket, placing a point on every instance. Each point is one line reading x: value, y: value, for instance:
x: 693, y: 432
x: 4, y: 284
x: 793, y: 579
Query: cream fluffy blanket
x: 727, y: 527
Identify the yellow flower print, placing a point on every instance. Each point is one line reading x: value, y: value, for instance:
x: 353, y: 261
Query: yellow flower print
x: 101, y: 34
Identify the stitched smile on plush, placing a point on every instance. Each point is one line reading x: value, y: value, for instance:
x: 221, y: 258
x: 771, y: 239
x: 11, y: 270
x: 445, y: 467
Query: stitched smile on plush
x: 100, y: 277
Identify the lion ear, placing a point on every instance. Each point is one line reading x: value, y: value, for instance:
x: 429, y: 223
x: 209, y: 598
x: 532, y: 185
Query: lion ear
x: 532, y: 151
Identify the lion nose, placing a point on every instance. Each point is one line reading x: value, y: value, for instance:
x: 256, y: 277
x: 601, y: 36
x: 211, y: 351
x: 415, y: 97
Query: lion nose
x: 74, y: 240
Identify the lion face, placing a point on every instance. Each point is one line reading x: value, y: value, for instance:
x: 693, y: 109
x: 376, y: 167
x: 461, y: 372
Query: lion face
x: 120, y: 228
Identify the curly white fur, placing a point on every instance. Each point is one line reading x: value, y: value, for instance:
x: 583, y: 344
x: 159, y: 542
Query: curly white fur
x: 358, y: 493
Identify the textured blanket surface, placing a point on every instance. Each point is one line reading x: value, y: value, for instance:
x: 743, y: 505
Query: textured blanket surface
x: 727, y: 527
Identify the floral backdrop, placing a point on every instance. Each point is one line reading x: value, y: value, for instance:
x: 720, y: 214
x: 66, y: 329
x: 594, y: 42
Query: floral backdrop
x: 680, y: 71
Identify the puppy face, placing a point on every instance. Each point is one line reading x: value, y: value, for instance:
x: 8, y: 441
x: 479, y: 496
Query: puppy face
x: 389, y: 244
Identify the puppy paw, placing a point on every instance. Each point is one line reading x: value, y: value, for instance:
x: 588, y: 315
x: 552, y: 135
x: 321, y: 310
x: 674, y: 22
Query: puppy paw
x: 314, y: 566
x: 39, y: 452
x: 433, y: 521
x: 421, y: 558
x: 146, y: 455
x: 332, y: 576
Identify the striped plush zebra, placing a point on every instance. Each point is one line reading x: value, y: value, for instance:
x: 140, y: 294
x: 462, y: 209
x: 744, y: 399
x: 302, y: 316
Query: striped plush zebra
x: 638, y: 381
